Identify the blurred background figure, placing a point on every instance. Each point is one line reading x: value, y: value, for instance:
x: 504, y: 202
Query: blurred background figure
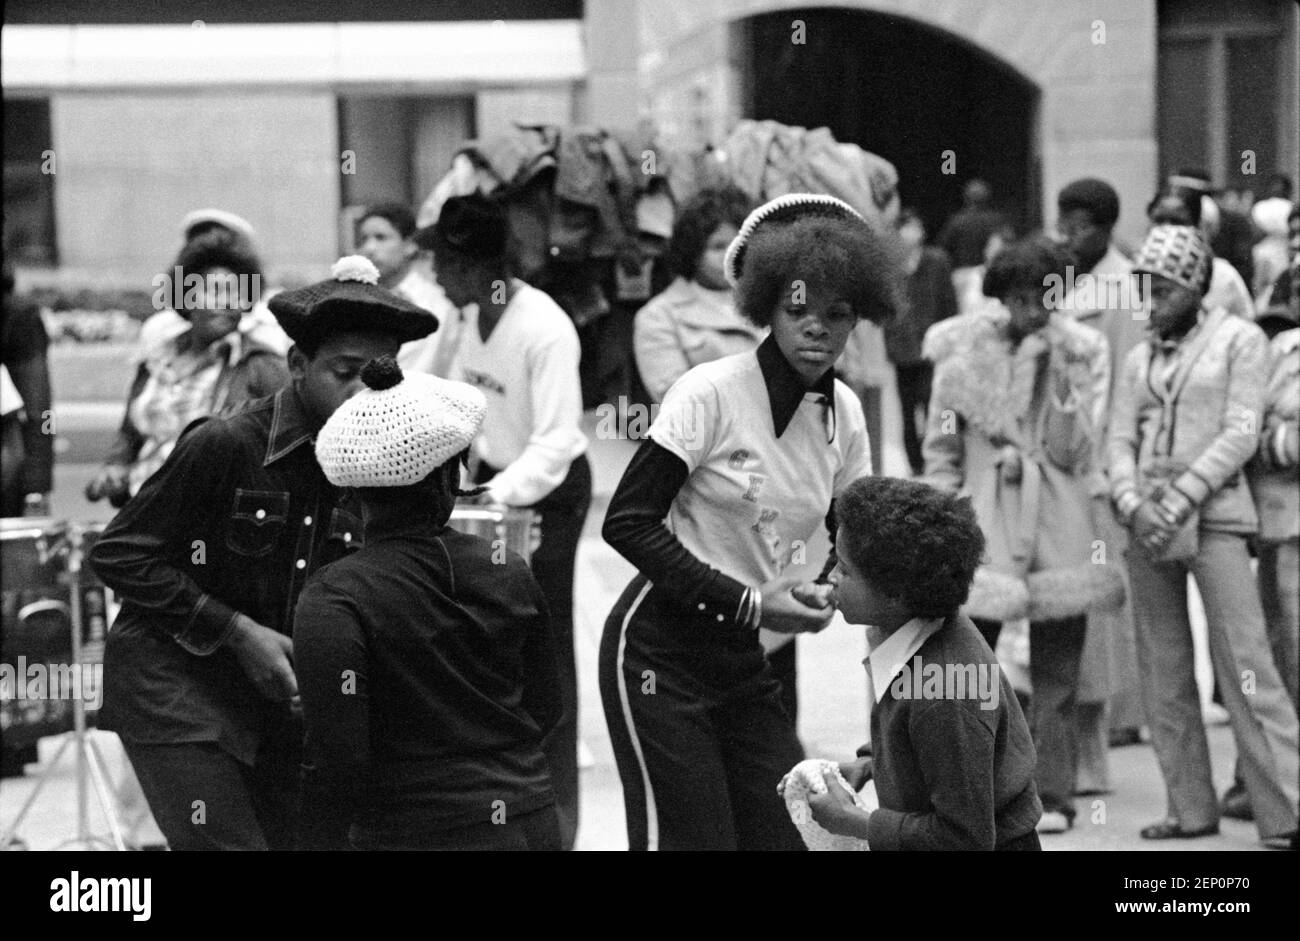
x: 385, y: 233
x: 965, y: 236
x: 1277, y: 494
x: 1180, y: 205
x: 1101, y: 297
x: 1018, y: 398
x: 969, y: 282
x: 28, y: 419
x: 694, y: 320
x: 1225, y: 215
x: 930, y: 297
x: 1279, y: 300
x: 1270, y: 252
x: 217, y: 363
x: 241, y: 234
x: 1275, y: 484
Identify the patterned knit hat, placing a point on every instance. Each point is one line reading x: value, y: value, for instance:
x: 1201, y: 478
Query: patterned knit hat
x: 782, y: 209
x: 1177, y: 252
x: 400, y: 429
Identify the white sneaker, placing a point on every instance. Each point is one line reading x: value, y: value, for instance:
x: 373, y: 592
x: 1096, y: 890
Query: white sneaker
x: 1053, y: 821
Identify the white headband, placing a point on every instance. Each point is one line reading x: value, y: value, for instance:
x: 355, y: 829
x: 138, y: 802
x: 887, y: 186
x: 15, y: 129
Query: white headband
x: 736, y: 250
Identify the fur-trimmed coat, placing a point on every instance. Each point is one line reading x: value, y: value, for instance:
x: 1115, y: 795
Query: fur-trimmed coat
x: 1043, y: 402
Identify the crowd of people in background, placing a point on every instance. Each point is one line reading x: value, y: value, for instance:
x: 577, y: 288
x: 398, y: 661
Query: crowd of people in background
x: 1139, y: 427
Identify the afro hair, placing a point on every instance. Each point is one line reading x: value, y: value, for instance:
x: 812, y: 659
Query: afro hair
x: 911, y: 542
x: 1030, y: 264
x: 845, y: 256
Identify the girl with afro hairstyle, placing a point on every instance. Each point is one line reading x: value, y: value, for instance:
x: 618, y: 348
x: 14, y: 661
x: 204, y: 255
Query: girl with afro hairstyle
x: 739, y: 468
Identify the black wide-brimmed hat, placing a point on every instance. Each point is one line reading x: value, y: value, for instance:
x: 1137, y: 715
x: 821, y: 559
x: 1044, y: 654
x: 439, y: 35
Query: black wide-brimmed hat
x: 350, y: 300
x: 475, y: 225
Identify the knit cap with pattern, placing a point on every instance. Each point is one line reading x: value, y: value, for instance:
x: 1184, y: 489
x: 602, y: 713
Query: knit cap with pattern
x: 781, y: 209
x: 1177, y: 252
x: 399, y: 429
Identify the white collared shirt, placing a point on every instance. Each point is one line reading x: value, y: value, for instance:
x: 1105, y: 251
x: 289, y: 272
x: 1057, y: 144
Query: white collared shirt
x: 888, y: 657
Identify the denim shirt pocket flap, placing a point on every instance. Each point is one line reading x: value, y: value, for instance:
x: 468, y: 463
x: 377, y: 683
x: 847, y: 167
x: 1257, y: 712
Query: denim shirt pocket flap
x: 257, y: 519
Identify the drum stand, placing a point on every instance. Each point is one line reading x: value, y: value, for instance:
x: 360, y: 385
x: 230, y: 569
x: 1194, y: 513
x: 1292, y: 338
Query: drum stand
x: 90, y: 765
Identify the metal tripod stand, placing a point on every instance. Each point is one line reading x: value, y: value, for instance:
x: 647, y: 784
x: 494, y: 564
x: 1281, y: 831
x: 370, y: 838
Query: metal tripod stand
x: 90, y: 765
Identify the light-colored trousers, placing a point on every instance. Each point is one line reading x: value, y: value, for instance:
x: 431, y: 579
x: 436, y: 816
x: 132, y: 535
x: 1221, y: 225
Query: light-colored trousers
x: 1262, y: 715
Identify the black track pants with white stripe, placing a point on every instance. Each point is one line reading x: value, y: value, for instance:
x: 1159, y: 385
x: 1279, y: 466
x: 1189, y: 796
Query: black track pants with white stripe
x: 699, y: 732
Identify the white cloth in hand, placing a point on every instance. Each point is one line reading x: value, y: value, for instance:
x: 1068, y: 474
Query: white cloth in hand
x: 806, y: 778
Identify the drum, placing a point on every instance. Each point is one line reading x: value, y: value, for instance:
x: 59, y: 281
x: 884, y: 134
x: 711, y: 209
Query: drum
x: 36, y: 627
x: 511, y: 528
x: 33, y: 590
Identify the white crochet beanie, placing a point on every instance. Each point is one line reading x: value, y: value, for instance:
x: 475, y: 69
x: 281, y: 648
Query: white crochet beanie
x: 400, y: 429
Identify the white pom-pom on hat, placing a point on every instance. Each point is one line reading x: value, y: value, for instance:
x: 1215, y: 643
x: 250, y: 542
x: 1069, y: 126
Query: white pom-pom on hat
x: 355, y: 268
x: 735, y: 251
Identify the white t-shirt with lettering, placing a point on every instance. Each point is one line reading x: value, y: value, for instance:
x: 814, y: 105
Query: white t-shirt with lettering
x: 528, y: 371
x: 752, y: 500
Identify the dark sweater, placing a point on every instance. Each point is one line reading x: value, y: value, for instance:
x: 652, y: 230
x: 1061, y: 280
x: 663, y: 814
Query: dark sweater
x: 428, y: 680
x: 930, y: 298
x: 950, y: 774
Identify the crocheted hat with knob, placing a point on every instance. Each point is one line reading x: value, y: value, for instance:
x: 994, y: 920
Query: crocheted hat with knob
x: 399, y: 429
x: 785, y: 208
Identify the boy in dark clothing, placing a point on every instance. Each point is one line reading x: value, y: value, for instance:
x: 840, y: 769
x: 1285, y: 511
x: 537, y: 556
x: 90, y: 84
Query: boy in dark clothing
x: 950, y: 751
x: 209, y: 559
x: 427, y: 670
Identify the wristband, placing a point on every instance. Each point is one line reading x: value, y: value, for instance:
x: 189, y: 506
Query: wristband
x: 742, y: 608
x: 1126, y: 505
x: 1176, y: 506
x: 1279, y: 455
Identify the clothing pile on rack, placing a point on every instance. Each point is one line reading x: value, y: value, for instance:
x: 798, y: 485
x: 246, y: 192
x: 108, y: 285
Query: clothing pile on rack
x: 591, y: 212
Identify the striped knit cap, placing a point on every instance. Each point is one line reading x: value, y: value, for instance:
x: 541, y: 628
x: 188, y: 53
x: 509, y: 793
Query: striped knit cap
x: 400, y: 429
x: 785, y: 209
x: 1177, y: 252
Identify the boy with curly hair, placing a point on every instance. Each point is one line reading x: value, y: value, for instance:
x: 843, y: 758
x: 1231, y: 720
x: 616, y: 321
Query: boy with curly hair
x: 950, y: 751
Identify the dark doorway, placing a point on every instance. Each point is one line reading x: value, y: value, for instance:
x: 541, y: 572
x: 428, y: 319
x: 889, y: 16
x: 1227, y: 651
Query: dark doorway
x: 905, y: 91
